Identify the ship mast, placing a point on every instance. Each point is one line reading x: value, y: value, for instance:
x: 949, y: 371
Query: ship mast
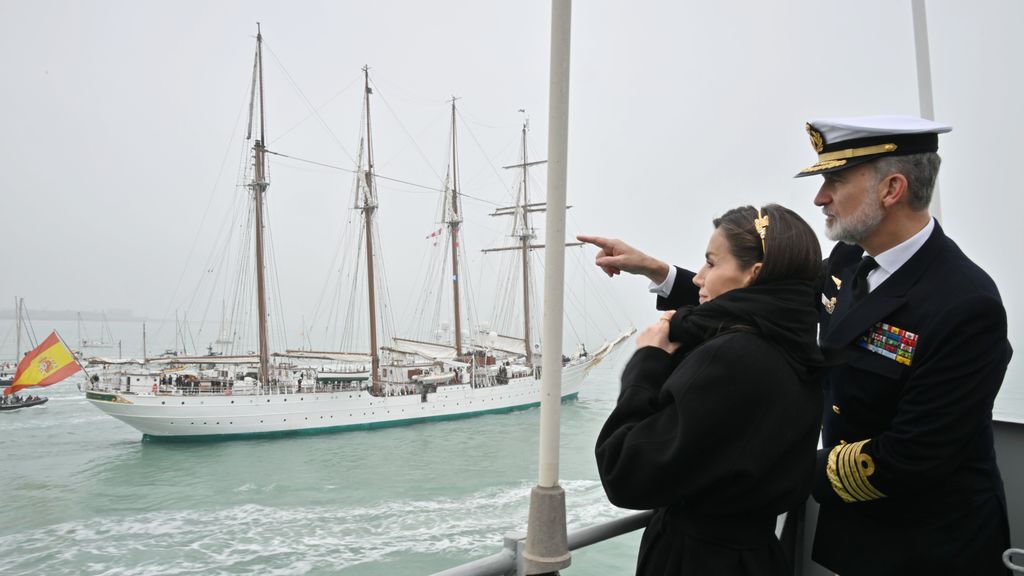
x: 369, y: 207
x: 524, y: 232
x: 454, y: 221
x: 259, y: 187
x: 525, y: 236
x: 18, y: 303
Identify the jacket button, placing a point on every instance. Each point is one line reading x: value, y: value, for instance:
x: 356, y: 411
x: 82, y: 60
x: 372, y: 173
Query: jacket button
x: 835, y: 409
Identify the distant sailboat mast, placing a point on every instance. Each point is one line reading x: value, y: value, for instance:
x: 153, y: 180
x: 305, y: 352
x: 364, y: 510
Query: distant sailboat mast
x: 369, y: 207
x: 18, y: 304
x: 524, y: 239
x: 259, y: 187
x: 454, y: 221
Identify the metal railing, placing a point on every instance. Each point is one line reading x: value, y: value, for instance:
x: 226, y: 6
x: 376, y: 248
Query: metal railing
x: 796, y: 535
x: 1008, y: 560
x: 508, y: 562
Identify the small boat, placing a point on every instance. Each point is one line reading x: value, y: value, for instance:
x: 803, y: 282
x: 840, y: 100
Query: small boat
x: 35, y: 401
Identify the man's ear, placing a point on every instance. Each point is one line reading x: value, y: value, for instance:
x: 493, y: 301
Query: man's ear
x: 893, y: 189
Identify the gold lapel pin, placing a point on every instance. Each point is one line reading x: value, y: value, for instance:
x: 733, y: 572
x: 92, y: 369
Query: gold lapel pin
x: 828, y: 303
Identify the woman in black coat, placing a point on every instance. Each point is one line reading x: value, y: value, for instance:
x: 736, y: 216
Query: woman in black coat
x: 717, y: 422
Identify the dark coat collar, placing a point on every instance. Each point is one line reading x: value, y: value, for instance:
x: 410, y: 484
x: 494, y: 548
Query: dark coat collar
x: 850, y: 321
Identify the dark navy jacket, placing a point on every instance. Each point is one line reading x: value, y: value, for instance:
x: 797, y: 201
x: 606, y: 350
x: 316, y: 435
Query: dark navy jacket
x: 913, y: 485
x: 922, y: 491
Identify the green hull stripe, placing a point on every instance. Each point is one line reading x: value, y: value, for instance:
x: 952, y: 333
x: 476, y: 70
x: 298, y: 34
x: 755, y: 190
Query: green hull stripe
x: 345, y: 428
x: 100, y: 396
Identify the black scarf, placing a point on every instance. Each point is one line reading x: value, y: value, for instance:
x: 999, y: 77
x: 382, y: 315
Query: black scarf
x: 783, y: 313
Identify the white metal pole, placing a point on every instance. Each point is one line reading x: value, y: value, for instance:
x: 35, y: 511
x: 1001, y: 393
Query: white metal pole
x: 547, y: 547
x: 924, y: 82
x: 554, y: 251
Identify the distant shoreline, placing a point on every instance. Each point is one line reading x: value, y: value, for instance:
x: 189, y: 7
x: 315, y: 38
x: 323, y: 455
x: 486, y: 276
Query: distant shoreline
x: 117, y: 315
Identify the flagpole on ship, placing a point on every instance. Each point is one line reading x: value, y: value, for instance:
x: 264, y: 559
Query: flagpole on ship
x: 88, y: 378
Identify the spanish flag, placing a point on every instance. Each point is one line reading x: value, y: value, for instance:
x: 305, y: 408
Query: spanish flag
x: 48, y: 364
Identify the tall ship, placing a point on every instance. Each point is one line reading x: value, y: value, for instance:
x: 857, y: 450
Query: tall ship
x: 397, y: 381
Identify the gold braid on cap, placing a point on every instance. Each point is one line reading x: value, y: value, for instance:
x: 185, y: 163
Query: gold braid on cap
x: 761, y: 225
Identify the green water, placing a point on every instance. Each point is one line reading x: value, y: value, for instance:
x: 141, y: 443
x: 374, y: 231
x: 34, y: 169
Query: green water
x: 83, y: 495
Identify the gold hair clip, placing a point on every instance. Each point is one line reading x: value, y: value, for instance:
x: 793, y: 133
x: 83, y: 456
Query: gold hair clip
x: 761, y: 225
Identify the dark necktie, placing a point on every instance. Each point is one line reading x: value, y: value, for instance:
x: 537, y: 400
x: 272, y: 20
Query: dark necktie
x: 860, y: 277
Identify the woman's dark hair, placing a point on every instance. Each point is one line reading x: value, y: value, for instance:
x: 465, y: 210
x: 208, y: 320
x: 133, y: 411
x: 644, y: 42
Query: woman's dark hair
x: 791, y: 250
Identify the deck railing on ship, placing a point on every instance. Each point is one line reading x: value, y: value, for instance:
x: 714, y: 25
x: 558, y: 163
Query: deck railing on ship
x: 796, y: 535
x: 507, y: 562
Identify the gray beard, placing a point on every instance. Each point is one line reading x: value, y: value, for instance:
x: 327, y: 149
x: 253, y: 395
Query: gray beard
x: 856, y: 227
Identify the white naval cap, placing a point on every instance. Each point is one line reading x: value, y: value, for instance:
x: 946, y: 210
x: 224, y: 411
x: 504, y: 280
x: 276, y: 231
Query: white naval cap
x: 845, y: 142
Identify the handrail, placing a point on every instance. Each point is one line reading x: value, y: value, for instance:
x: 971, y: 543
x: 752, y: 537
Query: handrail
x: 508, y: 561
x: 608, y: 530
x: 1008, y: 560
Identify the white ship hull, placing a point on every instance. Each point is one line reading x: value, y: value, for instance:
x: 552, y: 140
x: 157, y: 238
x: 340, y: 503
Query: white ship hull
x: 217, y: 416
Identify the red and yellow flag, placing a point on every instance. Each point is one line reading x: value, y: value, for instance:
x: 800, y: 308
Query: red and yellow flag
x: 48, y: 364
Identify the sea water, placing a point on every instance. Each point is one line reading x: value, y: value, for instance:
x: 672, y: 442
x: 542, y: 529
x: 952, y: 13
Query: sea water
x: 82, y: 494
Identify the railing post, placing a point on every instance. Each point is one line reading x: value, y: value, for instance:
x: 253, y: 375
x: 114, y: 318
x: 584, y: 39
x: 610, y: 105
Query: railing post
x: 547, y: 548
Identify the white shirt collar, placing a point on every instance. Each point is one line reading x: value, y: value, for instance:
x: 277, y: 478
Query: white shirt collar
x: 891, y: 260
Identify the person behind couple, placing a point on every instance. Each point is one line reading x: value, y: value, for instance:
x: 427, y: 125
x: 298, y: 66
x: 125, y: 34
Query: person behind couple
x: 717, y: 421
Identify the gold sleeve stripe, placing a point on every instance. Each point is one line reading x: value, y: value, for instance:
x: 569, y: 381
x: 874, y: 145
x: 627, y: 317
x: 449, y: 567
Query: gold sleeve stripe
x: 851, y: 484
x: 864, y: 466
x: 833, y: 477
x: 848, y: 469
x: 852, y: 475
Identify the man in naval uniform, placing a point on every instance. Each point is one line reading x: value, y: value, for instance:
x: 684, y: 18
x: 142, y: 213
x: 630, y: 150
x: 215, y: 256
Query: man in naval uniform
x: 907, y: 477
x: 916, y: 334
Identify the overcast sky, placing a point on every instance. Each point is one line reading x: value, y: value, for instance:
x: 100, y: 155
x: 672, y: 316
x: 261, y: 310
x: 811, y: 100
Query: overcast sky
x: 121, y: 128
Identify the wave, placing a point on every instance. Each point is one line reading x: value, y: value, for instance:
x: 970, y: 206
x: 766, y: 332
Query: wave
x: 259, y: 539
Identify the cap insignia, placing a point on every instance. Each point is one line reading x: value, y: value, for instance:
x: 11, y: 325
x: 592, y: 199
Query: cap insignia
x: 817, y: 141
